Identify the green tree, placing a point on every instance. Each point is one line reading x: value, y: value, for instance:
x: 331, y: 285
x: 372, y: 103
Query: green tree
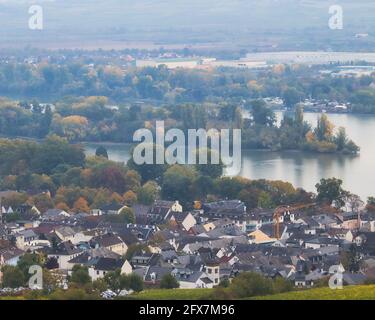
x: 135, y: 282
x: 291, y: 96
x: 177, y: 184
x: 250, y: 284
x: 330, y: 190
x: 127, y: 215
x: 265, y: 201
x: 80, y: 275
x: 169, y: 282
x: 13, y: 277
x: 351, y: 260
x: 101, y: 152
x: 148, y: 193
x: 261, y: 114
x: 341, y: 139
x: 324, y: 129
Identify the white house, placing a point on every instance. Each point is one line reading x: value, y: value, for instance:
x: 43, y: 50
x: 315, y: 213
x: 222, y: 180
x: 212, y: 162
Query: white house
x: 101, y: 266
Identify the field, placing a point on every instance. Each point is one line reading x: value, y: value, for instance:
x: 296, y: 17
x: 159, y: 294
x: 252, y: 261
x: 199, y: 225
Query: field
x: 347, y: 293
x: 172, y: 294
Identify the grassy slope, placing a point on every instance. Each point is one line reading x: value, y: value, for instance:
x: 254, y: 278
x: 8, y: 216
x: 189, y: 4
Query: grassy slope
x: 172, y: 294
x: 347, y: 293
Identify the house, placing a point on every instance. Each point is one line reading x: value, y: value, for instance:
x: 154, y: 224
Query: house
x: 301, y: 280
x: 232, y: 209
x: 186, y: 220
x: 154, y: 274
x: 4, y: 234
x: 65, y: 233
x: 162, y: 210
x: 110, y: 241
x: 63, y: 253
x: 10, y: 256
x: 27, y: 210
x: 220, y: 223
x: 110, y: 209
x: 193, y: 280
x: 258, y: 237
x: 319, y: 242
x: 25, y: 238
x: 326, y: 221
x: 144, y: 260
x: 349, y: 220
x: 55, y: 215
x: 99, y: 267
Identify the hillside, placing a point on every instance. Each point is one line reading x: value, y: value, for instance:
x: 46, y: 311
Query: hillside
x: 348, y: 293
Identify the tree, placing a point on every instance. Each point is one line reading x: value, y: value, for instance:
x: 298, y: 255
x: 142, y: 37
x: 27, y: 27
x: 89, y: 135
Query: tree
x: 101, y: 152
x: 281, y: 285
x: 127, y: 215
x: 113, y: 280
x: 351, y: 260
x: 370, y: 206
x: 250, y: 284
x: 135, y: 282
x: 265, y: 201
x: 28, y: 260
x: 80, y: 275
x: 177, y: 184
x: 330, y: 190
x: 169, y: 282
x: 324, y: 129
x: 13, y: 277
x: 148, y: 193
x: 261, y: 114
x: 354, y: 202
x: 209, y: 169
x: 291, y: 96
x: 130, y: 198
x: 341, y: 139
x: 81, y: 205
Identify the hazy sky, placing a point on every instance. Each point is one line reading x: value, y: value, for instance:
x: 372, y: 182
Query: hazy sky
x: 195, y: 17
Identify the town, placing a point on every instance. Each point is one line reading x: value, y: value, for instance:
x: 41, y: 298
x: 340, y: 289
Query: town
x: 200, y: 248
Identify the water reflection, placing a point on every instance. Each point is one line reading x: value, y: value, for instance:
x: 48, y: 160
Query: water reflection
x: 304, y: 169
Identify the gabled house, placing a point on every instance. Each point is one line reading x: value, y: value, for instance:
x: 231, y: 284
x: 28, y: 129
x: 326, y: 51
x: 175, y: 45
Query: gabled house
x: 154, y: 274
x: 55, y: 215
x: 63, y: 253
x: 65, y: 233
x: 144, y: 260
x: 10, y: 256
x: 99, y: 267
x: 25, y: 238
x: 110, y: 209
x: 186, y: 220
x: 162, y: 210
x: 232, y: 209
x: 111, y: 242
x: 193, y: 280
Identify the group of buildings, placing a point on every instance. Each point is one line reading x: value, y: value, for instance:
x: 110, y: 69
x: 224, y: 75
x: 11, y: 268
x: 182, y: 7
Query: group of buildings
x: 200, y: 248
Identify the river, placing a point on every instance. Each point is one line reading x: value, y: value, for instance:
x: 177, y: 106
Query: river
x: 304, y: 169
